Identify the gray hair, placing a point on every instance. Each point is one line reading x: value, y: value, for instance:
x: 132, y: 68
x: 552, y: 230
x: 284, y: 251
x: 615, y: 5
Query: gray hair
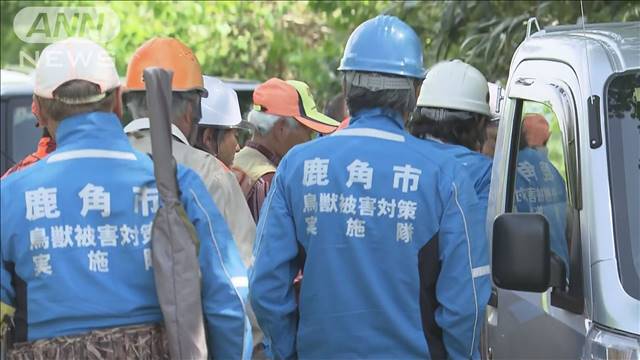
x: 136, y: 102
x: 263, y: 122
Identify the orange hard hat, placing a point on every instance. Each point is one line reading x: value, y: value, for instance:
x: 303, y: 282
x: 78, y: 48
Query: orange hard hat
x: 167, y: 53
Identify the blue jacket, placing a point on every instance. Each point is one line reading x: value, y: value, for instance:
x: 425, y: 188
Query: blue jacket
x: 541, y: 189
x: 387, y: 231
x: 76, y: 236
x: 478, y: 167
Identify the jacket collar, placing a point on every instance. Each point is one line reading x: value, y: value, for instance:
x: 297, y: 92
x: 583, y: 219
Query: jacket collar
x: 378, y: 118
x: 145, y: 124
x: 99, y: 130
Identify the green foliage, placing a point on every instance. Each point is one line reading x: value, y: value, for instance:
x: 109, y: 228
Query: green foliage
x: 304, y: 39
x: 487, y: 33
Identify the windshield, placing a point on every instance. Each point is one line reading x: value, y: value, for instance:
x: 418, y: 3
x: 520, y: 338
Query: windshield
x: 623, y: 135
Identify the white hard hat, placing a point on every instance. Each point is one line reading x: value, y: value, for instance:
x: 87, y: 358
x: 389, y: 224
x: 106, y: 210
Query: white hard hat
x: 75, y: 59
x: 221, y: 108
x: 455, y: 85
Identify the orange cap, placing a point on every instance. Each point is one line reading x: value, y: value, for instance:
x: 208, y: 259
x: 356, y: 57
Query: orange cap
x: 167, y: 53
x: 292, y: 98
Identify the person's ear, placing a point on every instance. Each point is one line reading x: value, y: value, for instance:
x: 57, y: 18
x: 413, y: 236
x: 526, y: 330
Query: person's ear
x: 117, y: 104
x: 186, y: 118
x: 36, y: 109
x: 186, y: 124
x: 280, y: 129
x: 207, y: 138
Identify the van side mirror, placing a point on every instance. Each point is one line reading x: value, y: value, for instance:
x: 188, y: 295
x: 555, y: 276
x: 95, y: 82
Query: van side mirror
x: 521, y: 254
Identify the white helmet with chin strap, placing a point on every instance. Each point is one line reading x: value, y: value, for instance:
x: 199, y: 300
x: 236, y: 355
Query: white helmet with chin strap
x: 221, y: 109
x: 455, y: 85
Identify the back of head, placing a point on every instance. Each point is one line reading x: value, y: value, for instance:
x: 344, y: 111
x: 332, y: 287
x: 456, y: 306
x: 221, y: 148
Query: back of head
x: 62, y: 106
x: 262, y: 122
x: 136, y: 103
x: 491, y: 136
x: 453, y: 105
x: 450, y: 126
x: 382, y: 65
x: 536, y: 130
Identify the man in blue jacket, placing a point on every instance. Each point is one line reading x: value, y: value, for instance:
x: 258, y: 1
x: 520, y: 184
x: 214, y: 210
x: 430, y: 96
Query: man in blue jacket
x: 76, y: 228
x: 453, y: 110
x: 385, y: 227
x: 539, y: 187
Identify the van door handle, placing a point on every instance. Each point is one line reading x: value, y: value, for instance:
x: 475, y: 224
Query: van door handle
x: 525, y: 81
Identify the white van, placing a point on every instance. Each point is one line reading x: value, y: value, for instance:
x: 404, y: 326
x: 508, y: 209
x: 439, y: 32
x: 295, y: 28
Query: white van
x: 565, y: 216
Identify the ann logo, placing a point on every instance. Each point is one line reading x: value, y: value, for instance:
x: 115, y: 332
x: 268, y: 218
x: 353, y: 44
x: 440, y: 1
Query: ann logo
x: 79, y: 25
x: 50, y: 24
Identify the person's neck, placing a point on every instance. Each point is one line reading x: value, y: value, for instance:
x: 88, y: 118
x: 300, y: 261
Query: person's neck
x: 266, y: 144
x: 52, y: 127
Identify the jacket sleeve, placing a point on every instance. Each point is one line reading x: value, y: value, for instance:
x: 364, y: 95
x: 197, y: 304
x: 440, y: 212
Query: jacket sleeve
x: 463, y: 286
x: 7, y: 293
x: 274, y: 268
x: 239, y: 218
x: 224, y: 278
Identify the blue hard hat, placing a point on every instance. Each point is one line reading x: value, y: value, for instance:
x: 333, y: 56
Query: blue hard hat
x: 384, y: 44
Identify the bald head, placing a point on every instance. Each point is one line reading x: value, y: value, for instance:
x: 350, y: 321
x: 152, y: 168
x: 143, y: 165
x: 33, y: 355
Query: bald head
x: 536, y: 130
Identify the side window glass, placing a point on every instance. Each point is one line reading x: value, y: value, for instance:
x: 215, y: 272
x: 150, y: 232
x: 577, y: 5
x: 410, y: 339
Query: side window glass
x: 24, y: 133
x: 540, y: 175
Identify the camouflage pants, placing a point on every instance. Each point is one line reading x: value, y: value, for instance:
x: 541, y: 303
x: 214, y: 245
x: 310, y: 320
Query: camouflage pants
x: 137, y: 342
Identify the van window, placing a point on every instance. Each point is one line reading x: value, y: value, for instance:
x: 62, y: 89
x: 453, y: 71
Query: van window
x: 25, y: 134
x: 20, y: 136
x: 540, y: 176
x: 623, y: 135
